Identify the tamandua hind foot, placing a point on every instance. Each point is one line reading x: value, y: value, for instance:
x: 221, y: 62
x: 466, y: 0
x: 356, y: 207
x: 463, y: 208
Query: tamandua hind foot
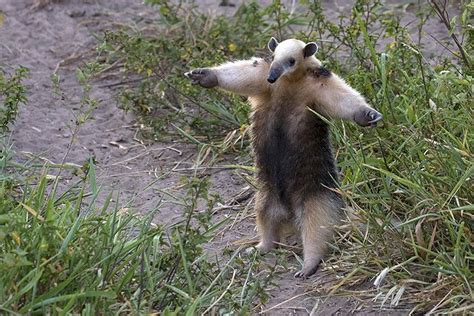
x: 261, y: 248
x: 307, y: 271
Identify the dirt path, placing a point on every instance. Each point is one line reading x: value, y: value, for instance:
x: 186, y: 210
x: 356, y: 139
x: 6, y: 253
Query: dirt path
x: 49, y: 40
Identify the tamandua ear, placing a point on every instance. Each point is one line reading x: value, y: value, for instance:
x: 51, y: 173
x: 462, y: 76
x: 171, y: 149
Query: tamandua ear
x: 310, y: 49
x: 272, y: 44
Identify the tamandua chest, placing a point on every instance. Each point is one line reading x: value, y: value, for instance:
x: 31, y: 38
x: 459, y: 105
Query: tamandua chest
x: 292, y: 148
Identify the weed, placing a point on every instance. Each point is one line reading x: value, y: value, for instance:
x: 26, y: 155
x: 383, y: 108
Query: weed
x: 70, y: 255
x: 12, y: 93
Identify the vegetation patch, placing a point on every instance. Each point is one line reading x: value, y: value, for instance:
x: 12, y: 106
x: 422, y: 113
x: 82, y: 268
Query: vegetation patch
x: 12, y: 93
x: 64, y: 253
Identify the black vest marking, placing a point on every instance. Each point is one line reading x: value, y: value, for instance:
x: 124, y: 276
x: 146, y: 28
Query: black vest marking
x: 322, y: 72
x: 301, y: 163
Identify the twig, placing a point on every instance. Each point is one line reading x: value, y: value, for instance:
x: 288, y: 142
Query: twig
x: 8, y: 48
x: 114, y: 64
x: 286, y: 301
x: 223, y: 293
x: 444, y: 17
x: 137, y: 156
x: 442, y: 45
x: 71, y: 58
x: 119, y: 83
x: 225, y: 167
x: 117, y: 128
x: 128, y: 174
x: 52, y: 163
x: 175, y: 150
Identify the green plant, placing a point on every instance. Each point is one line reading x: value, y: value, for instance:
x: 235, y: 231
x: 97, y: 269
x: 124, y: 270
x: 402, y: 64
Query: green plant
x: 409, y: 181
x: 12, y: 93
x: 65, y: 253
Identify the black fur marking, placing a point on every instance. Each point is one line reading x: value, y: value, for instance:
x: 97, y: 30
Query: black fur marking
x: 275, y: 156
x: 322, y: 72
x: 294, y: 166
x: 268, y: 59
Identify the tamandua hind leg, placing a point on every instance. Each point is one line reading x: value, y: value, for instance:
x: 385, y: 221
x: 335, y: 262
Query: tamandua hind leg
x: 271, y: 216
x: 317, y: 220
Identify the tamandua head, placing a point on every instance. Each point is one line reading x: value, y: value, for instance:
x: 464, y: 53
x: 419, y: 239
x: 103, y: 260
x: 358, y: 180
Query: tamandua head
x: 289, y: 58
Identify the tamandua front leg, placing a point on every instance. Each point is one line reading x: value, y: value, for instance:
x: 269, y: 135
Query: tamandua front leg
x: 244, y: 77
x: 333, y: 97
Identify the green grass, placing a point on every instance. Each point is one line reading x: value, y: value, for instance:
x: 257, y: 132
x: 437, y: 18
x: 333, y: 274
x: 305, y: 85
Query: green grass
x: 65, y: 253
x: 12, y: 93
x: 409, y: 181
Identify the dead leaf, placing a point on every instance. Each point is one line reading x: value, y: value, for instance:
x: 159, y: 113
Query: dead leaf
x: 117, y: 145
x: 32, y: 212
x: 420, y: 240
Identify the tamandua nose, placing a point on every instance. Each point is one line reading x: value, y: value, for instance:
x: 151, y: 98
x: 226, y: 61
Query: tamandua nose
x: 271, y: 79
x: 274, y: 75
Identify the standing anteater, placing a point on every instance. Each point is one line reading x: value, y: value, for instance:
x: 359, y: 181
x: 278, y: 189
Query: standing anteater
x: 296, y: 167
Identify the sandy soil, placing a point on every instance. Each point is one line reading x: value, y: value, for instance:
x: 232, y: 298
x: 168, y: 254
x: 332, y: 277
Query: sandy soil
x: 49, y: 39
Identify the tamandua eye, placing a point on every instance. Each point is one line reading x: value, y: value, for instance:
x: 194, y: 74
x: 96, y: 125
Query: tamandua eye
x: 291, y: 61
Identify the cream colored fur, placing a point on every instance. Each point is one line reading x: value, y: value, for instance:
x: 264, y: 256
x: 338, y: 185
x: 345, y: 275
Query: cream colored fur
x: 330, y: 96
x: 244, y: 77
x: 317, y: 224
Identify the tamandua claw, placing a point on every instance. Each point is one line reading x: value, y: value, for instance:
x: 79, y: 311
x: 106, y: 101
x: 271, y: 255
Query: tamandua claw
x: 368, y: 117
x: 375, y: 117
x: 300, y: 275
x: 306, y: 272
x: 202, y: 76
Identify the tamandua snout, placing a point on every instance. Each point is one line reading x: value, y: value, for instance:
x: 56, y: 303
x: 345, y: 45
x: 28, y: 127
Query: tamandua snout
x: 297, y: 173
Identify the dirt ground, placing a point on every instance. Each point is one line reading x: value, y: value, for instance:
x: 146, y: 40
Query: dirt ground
x: 55, y: 38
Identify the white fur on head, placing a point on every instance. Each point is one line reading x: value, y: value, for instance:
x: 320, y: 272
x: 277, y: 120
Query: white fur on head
x: 289, y: 47
x: 291, y: 56
x: 292, y: 47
